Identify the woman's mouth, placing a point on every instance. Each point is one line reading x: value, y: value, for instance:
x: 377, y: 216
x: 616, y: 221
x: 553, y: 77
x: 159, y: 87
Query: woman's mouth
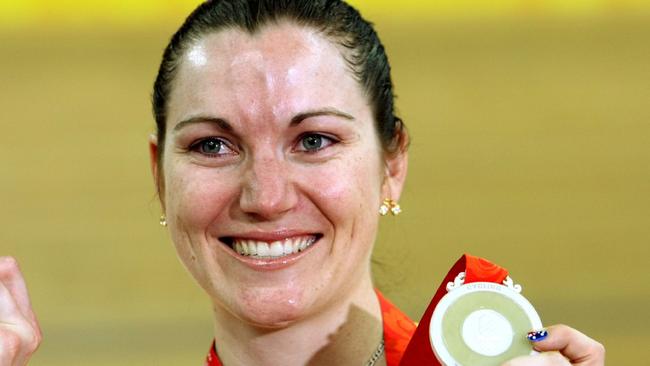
x: 261, y: 249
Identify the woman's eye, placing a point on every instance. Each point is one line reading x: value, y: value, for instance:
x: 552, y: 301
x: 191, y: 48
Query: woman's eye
x: 314, y: 142
x: 212, y: 146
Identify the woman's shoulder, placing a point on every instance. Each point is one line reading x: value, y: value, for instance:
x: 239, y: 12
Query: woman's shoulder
x: 398, y: 330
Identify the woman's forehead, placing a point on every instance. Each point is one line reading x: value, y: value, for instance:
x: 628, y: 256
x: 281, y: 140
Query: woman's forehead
x: 281, y: 68
x: 272, y: 41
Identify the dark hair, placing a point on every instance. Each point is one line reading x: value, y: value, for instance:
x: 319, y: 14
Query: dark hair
x: 363, y: 51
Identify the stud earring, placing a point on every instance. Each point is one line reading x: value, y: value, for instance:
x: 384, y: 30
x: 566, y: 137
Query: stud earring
x: 383, y: 209
x: 163, y: 220
x: 396, y: 209
x: 389, y: 205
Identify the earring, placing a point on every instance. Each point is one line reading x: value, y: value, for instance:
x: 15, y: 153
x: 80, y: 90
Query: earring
x: 396, y: 209
x: 389, y: 205
x: 163, y: 220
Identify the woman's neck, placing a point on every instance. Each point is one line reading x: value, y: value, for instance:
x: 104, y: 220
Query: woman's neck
x: 347, y: 333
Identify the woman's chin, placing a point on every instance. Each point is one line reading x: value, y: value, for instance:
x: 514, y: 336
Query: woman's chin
x: 268, y: 320
x: 271, y: 317
x: 270, y: 309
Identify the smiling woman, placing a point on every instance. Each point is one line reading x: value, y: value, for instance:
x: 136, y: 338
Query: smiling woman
x: 276, y: 145
x: 276, y: 149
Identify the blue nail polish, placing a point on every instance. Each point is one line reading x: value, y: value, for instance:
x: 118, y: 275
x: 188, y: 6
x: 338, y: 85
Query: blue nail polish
x: 538, y: 335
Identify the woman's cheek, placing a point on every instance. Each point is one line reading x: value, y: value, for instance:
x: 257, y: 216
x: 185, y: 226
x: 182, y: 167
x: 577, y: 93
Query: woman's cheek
x: 200, y: 195
x: 346, y: 190
x: 195, y: 200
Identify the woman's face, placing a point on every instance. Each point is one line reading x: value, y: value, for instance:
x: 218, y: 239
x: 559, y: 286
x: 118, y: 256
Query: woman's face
x: 272, y: 172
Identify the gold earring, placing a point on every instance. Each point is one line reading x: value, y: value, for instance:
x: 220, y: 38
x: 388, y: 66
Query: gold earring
x: 163, y: 220
x: 396, y: 209
x: 389, y: 205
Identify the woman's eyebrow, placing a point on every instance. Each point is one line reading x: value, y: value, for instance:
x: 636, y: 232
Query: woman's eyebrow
x: 222, y: 123
x: 319, y: 112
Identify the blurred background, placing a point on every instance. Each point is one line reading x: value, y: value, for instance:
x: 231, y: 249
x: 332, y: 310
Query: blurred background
x: 530, y: 122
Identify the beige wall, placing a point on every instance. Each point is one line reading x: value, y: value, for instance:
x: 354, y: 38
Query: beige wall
x: 530, y: 147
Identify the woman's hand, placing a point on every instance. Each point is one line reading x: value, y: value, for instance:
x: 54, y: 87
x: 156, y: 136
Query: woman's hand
x: 20, y: 334
x: 563, y: 346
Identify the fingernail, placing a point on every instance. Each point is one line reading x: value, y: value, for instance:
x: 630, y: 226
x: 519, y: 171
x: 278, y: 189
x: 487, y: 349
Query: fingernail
x: 538, y: 335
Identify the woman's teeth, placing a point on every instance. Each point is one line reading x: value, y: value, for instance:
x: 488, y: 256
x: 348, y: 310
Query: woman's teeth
x: 276, y: 249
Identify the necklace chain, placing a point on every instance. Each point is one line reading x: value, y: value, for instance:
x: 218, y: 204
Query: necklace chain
x: 375, y: 355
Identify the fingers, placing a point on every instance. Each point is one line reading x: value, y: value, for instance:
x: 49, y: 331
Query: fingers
x: 562, y: 346
x: 577, y: 347
x: 18, y: 339
x: 10, y: 348
x: 20, y: 334
x: 544, y: 359
x: 9, y: 313
x: 12, y: 279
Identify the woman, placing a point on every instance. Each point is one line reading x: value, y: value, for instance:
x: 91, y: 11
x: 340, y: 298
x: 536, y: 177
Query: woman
x: 276, y: 145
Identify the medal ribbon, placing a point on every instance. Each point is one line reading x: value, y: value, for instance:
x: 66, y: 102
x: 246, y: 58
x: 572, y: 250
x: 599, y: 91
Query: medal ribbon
x: 418, y: 351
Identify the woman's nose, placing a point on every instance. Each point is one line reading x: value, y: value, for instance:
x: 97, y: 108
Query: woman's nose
x: 267, y: 191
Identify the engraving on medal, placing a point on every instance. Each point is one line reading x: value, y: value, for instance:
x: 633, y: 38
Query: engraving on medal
x: 483, y: 286
x: 487, y: 332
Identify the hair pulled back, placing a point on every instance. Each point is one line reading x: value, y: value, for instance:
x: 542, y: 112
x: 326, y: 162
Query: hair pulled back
x: 340, y: 22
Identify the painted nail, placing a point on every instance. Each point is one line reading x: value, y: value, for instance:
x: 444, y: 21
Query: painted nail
x: 538, y: 335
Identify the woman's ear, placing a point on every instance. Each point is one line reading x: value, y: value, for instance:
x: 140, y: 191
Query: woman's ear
x: 396, y: 166
x: 155, y: 169
x: 395, y: 169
